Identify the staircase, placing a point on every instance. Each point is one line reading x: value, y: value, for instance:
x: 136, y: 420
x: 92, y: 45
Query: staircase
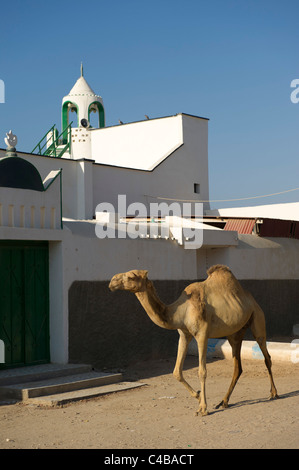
x: 53, y: 144
x: 53, y: 384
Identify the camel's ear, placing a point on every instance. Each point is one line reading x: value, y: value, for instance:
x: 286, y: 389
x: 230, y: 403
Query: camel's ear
x: 144, y: 273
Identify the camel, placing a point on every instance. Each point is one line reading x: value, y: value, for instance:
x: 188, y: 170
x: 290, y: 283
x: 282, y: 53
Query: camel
x: 215, y: 308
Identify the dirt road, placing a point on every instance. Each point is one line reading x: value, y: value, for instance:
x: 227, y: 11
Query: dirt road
x: 161, y: 415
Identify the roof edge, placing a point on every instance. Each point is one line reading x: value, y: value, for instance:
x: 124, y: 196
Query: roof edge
x: 151, y: 119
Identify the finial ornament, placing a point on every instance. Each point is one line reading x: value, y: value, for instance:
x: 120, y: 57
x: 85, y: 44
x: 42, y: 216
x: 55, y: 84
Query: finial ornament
x: 10, y: 139
x: 81, y: 69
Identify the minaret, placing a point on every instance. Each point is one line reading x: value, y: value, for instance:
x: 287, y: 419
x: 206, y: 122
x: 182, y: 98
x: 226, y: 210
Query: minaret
x: 79, y: 103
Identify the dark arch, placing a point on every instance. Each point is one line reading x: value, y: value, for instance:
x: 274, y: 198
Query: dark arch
x: 15, y: 172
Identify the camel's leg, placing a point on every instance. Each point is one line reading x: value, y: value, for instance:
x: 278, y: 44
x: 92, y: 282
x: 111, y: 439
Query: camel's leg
x: 202, y: 343
x: 184, y: 341
x: 258, y: 328
x: 235, y: 341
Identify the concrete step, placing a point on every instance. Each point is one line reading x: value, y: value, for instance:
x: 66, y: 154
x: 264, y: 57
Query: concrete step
x: 67, y: 397
x: 56, y: 385
x: 40, y: 372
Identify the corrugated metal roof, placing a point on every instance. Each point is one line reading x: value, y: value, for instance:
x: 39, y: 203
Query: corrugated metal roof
x: 262, y: 227
x: 266, y: 227
x: 244, y: 226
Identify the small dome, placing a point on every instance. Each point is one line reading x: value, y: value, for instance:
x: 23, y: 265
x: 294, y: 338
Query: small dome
x: 18, y: 173
x: 81, y: 87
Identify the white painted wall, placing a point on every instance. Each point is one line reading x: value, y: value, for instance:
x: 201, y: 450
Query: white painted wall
x: 90, y: 258
x: 255, y: 258
x: 171, y: 154
x: 24, y: 208
x: 69, y: 178
x: 58, y: 299
x: 84, y: 190
x: 77, y: 254
x: 140, y: 145
x: 173, y: 178
x: 83, y: 256
x: 80, y: 143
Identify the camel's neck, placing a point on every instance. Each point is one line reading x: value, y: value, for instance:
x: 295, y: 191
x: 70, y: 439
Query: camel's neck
x: 156, y: 310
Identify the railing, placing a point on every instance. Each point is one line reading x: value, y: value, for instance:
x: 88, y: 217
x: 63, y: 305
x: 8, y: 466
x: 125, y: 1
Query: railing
x: 39, y: 146
x: 52, y: 142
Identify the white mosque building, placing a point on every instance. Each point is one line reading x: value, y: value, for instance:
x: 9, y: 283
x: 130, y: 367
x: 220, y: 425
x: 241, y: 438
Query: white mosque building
x: 164, y: 157
x: 57, y: 269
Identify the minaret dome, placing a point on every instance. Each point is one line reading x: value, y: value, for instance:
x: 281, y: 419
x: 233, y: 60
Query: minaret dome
x: 80, y: 103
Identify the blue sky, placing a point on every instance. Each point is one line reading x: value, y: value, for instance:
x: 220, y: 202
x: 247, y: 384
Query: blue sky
x: 230, y: 61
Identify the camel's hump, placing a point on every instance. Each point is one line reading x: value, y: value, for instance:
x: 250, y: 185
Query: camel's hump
x: 218, y: 267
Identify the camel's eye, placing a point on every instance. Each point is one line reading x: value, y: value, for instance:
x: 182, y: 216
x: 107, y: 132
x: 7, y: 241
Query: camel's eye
x: 132, y: 276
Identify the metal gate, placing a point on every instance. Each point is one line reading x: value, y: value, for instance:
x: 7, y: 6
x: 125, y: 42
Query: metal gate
x: 24, y: 302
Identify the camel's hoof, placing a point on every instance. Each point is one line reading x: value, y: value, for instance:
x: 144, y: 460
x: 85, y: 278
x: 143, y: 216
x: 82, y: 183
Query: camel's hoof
x: 223, y: 404
x: 275, y: 397
x: 202, y: 413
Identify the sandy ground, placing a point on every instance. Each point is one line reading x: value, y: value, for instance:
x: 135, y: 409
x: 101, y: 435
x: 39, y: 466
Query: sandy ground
x: 161, y: 415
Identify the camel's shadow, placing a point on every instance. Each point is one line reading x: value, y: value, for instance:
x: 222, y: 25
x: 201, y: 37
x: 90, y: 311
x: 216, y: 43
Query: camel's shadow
x: 255, y: 401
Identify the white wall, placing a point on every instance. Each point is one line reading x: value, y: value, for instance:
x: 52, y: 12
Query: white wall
x: 285, y: 211
x: 69, y: 178
x: 90, y: 258
x: 173, y: 178
x: 172, y: 153
x: 85, y: 257
x: 24, y: 208
x: 196, y: 165
x: 255, y: 258
x: 140, y: 145
x: 58, y: 297
x: 75, y: 253
x: 81, y: 143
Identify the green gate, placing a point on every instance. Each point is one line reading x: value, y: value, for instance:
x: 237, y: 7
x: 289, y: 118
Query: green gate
x: 24, y: 302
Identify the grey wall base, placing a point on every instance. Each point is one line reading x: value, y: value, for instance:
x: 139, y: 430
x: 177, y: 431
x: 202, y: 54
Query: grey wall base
x: 112, y: 330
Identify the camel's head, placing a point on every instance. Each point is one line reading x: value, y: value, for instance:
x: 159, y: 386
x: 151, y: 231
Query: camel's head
x: 133, y: 281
